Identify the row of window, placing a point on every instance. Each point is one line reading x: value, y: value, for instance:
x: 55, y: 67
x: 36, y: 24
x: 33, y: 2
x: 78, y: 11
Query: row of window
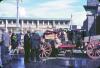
x: 40, y: 21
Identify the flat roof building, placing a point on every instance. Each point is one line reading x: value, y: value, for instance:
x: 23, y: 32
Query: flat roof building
x: 32, y: 24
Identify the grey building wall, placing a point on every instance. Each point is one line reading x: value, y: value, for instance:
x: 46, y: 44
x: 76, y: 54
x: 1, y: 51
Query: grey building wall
x: 90, y: 23
x: 92, y: 2
x: 33, y: 24
x: 98, y: 25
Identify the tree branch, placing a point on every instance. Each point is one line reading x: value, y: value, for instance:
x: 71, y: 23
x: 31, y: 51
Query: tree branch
x: 1, y: 0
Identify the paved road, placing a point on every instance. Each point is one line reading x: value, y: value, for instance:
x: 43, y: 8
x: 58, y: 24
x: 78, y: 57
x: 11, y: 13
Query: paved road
x: 56, y: 62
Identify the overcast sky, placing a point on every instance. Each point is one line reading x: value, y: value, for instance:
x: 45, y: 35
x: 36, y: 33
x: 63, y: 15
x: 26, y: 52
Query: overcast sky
x: 46, y: 9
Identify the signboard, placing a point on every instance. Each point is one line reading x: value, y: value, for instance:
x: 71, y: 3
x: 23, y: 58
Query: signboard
x: 50, y: 36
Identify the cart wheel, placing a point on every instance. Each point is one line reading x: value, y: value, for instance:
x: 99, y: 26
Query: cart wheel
x: 93, y: 49
x: 45, y: 50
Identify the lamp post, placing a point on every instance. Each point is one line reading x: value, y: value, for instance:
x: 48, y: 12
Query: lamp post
x: 17, y: 21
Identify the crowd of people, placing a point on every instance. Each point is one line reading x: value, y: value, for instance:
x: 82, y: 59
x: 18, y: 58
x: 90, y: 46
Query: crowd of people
x: 32, y: 43
x: 10, y: 41
x: 7, y: 40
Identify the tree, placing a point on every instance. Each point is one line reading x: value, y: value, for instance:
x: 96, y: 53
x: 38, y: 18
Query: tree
x: 1, y: 0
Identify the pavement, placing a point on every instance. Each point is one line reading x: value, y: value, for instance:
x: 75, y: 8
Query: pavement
x: 78, y: 61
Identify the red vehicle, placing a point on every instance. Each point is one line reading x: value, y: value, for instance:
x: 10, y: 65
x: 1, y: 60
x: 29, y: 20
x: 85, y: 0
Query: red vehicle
x: 91, y: 47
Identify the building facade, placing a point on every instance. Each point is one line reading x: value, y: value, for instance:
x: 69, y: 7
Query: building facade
x: 91, y: 24
x: 33, y: 24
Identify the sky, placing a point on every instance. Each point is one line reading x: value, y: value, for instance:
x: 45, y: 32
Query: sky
x: 53, y: 9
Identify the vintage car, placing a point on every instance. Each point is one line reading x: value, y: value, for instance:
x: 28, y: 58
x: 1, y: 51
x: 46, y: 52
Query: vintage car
x: 76, y: 40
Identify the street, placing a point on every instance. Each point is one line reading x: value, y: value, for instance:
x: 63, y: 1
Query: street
x: 77, y: 61
x: 65, y: 33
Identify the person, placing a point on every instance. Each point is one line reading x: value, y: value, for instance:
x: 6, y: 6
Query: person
x: 0, y: 49
x: 35, y: 44
x: 4, y: 47
x: 98, y: 67
x: 78, y: 40
x: 27, y: 46
x: 13, y: 41
x: 62, y: 36
x: 19, y: 39
x: 70, y: 36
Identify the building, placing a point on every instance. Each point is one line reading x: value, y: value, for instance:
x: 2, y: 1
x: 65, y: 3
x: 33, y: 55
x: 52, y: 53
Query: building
x: 33, y: 24
x: 91, y: 24
x: 74, y: 27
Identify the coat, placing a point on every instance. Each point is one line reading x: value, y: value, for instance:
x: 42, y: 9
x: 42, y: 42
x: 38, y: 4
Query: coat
x: 14, y: 43
x: 6, y: 39
x: 35, y: 41
x: 19, y: 38
x: 27, y: 43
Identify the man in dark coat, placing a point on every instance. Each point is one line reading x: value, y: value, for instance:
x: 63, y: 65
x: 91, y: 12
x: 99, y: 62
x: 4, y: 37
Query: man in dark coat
x: 27, y: 46
x: 35, y: 44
